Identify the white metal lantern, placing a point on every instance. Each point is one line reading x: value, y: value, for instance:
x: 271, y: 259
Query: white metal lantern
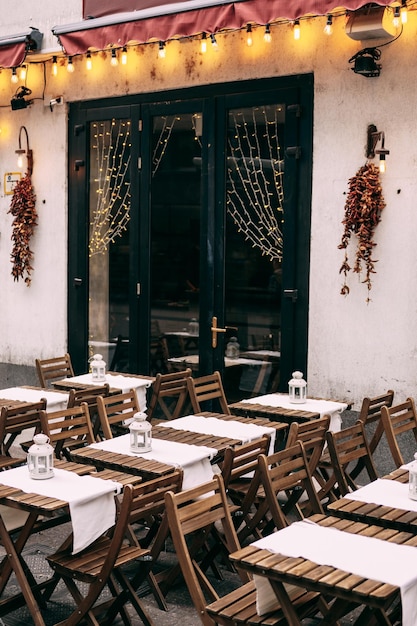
x: 41, y: 458
x: 98, y: 368
x: 140, y: 433
x: 297, y: 388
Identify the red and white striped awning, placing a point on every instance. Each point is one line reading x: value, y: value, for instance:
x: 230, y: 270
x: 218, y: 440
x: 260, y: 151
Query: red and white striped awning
x: 139, y: 21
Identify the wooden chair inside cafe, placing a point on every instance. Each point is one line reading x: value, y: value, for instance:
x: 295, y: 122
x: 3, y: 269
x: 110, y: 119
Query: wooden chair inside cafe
x: 99, y: 566
x: 170, y: 395
x: 192, y: 514
x: 400, y: 422
x: 208, y: 389
x: 50, y: 370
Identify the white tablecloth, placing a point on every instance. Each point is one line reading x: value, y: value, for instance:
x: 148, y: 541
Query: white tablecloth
x: 364, y: 556
x: 91, y: 500
x: 194, y: 460
x: 55, y: 401
x: 222, y: 428
x: 385, y: 492
x: 124, y: 383
x: 323, y: 407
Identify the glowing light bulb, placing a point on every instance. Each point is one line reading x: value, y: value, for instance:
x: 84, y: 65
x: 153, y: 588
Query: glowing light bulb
x: 54, y: 66
x: 328, y: 29
x: 114, y: 61
x: 23, y: 72
x: 267, y: 34
x: 396, y: 18
x: 20, y: 153
x: 203, y: 45
x: 70, y: 65
x: 213, y: 40
x: 161, y: 50
x: 124, y: 56
x: 296, y: 30
x: 403, y: 12
x: 249, y: 39
x: 382, y: 164
x: 88, y: 62
x: 14, y: 77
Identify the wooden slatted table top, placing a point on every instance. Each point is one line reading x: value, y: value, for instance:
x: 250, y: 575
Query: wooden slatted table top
x: 66, y: 385
x: 125, y: 463
x: 370, y: 513
x: 272, y: 413
x: 193, y: 438
x: 326, y: 579
x: 258, y: 421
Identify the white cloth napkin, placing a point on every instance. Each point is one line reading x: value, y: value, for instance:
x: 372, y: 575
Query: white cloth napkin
x: 91, y: 500
x: 194, y: 460
x: 323, y: 407
x: 364, y: 556
x: 222, y: 428
x: 124, y: 383
x: 55, y: 401
x: 385, y: 492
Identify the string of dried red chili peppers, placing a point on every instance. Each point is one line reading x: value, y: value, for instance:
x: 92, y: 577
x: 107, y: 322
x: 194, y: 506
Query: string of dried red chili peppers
x: 363, y: 207
x: 25, y: 219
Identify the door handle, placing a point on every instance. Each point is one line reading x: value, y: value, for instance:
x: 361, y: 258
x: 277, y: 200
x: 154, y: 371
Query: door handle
x: 292, y: 294
x: 216, y: 329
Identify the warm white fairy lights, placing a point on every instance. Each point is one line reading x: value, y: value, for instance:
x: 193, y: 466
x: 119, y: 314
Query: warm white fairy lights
x: 255, y: 183
x: 110, y: 161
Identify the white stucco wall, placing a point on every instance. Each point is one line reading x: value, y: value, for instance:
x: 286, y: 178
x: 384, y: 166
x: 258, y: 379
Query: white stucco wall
x: 355, y: 348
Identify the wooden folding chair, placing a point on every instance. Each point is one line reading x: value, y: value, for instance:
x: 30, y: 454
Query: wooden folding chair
x: 370, y: 413
x: 14, y: 420
x: 113, y: 411
x: 398, y: 420
x: 312, y: 435
x: 191, y: 516
x: 68, y: 429
x: 101, y: 565
x: 169, y: 395
x: 56, y: 368
x: 348, y: 448
x: 207, y: 389
x: 89, y: 396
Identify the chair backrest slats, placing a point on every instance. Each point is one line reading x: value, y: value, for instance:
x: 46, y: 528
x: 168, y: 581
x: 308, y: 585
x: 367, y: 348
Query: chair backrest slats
x: 398, y: 420
x: 52, y: 369
x: 169, y: 395
x: 115, y: 410
x: 206, y: 389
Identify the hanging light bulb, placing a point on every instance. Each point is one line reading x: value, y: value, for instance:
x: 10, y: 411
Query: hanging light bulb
x: 23, y: 72
x: 382, y: 164
x: 213, y: 40
x: 396, y: 18
x: 88, y: 61
x: 267, y: 34
x: 14, y: 77
x: 114, y: 61
x: 203, y: 45
x: 328, y: 29
x: 54, y: 66
x: 124, y: 56
x: 70, y: 65
x: 296, y: 30
x: 403, y: 12
x: 249, y: 39
x: 161, y: 50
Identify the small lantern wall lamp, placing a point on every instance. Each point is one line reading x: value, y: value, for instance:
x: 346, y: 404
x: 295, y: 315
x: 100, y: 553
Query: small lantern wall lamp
x: 21, y: 152
x: 375, y: 136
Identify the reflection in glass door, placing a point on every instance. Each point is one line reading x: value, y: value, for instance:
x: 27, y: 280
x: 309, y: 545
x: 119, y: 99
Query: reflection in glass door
x: 109, y: 216
x: 254, y: 248
x: 175, y: 240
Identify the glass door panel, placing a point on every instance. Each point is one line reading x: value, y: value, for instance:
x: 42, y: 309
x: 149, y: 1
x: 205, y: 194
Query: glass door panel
x: 254, y: 248
x: 109, y: 221
x: 175, y: 193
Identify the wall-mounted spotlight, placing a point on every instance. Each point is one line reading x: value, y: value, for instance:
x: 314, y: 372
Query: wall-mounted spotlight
x: 365, y: 62
x: 373, y: 137
x: 18, y: 101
